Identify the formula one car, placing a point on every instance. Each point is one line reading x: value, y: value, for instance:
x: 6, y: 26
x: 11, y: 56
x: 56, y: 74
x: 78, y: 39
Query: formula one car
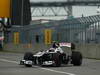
x: 53, y: 57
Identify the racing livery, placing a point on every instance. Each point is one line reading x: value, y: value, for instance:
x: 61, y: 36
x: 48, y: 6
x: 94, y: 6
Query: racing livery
x: 53, y: 57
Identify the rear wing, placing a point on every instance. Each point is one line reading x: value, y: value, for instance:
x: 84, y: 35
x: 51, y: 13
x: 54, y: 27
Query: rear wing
x: 70, y: 45
x: 65, y: 44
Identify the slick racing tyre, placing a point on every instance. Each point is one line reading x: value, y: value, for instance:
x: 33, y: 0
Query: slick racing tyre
x: 57, y: 60
x: 76, y: 58
x: 28, y: 56
x: 28, y: 65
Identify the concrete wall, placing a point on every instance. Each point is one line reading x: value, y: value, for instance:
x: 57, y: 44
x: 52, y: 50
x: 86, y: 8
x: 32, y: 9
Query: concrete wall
x: 25, y: 47
x: 88, y: 50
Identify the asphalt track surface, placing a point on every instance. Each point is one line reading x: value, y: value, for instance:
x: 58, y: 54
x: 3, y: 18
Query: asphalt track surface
x: 9, y: 66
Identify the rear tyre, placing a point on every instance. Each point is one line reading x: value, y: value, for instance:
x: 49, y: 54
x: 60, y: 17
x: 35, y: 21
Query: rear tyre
x: 76, y: 58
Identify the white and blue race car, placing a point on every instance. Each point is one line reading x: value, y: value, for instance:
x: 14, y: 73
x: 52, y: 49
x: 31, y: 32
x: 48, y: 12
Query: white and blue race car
x: 53, y: 57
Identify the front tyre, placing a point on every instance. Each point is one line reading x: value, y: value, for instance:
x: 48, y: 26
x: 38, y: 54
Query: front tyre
x: 57, y: 60
x: 28, y: 56
x: 28, y: 65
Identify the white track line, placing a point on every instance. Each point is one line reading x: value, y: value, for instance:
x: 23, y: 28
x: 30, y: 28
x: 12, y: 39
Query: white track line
x: 57, y: 71
x: 8, y: 61
x: 40, y: 67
